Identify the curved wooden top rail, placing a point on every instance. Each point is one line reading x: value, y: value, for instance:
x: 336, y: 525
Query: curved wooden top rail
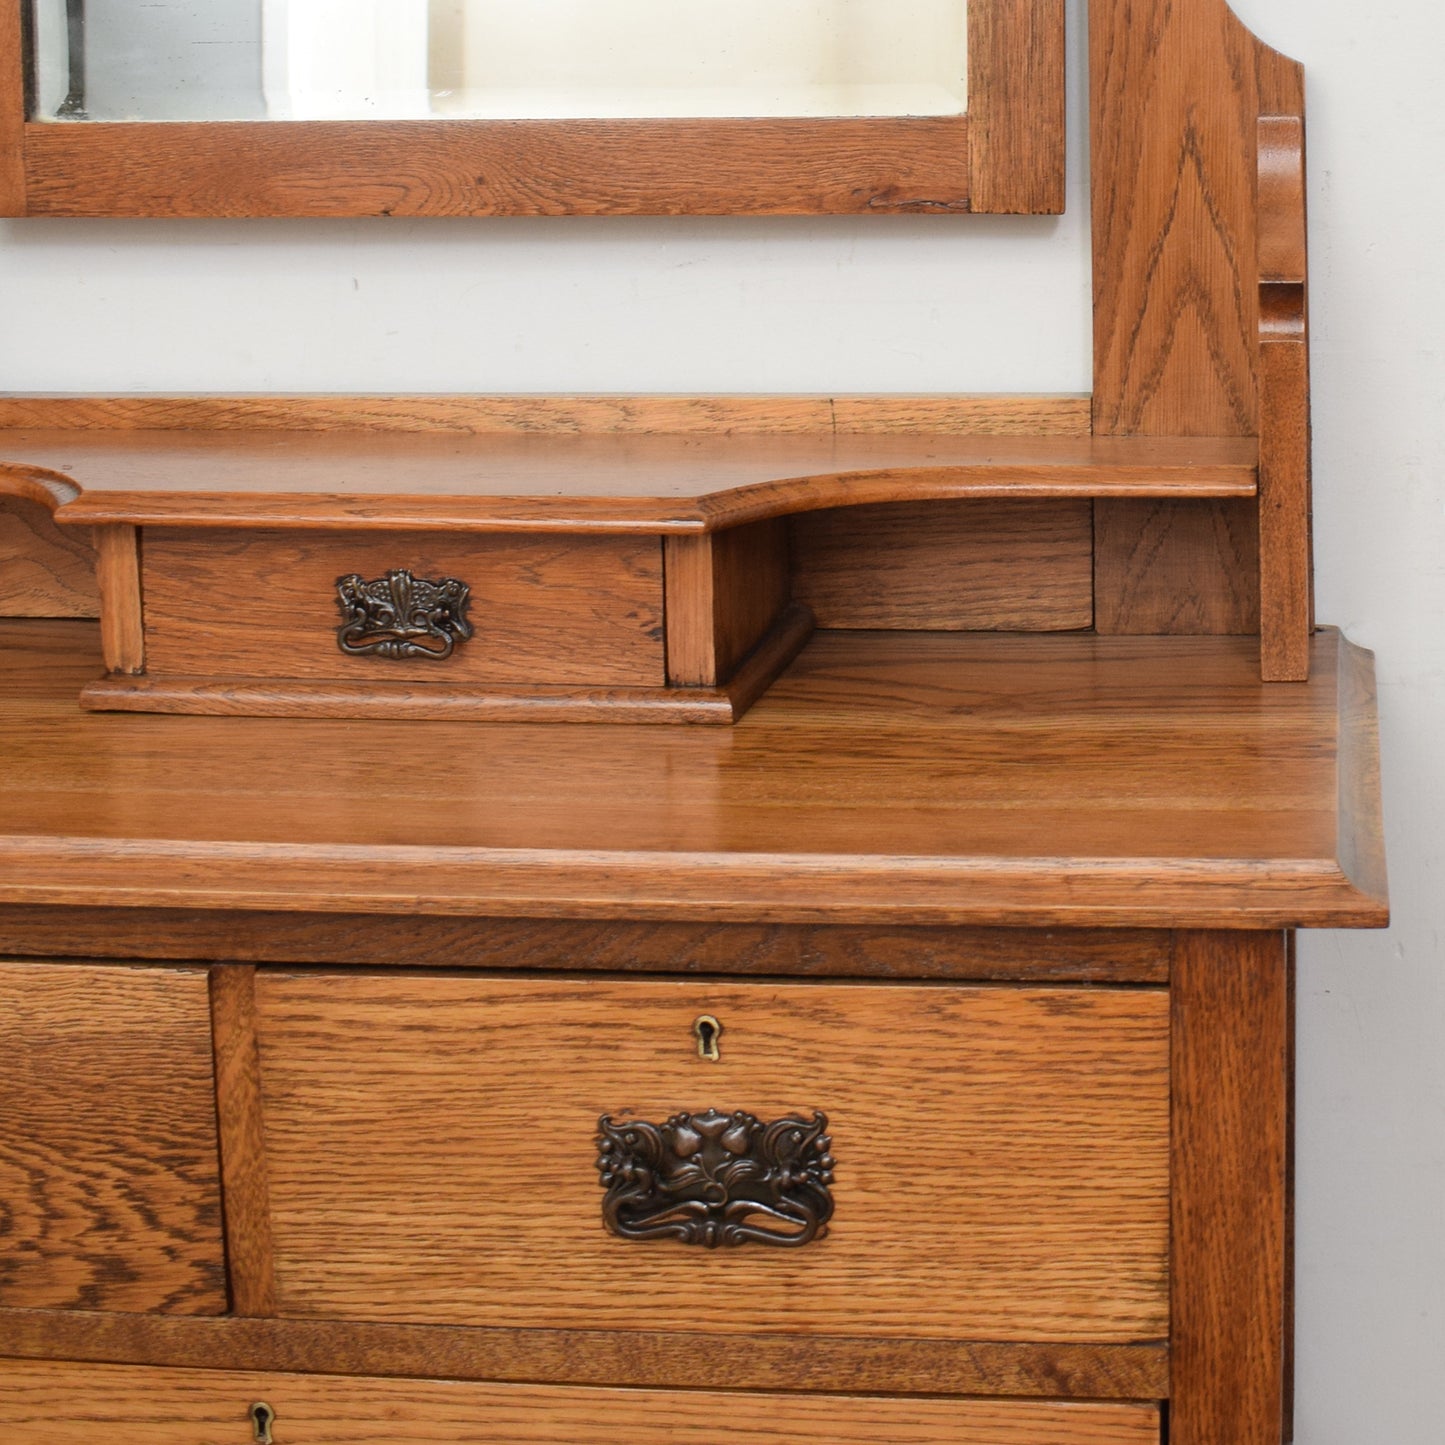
x: 1169, y: 786
x: 598, y: 482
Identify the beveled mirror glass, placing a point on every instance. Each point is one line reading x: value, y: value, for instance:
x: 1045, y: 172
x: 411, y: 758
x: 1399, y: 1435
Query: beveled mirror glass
x: 166, y: 60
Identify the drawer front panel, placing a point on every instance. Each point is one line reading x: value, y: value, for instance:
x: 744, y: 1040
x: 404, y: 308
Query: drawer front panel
x: 579, y: 611
x: 1001, y: 1153
x: 109, y: 1192
x: 58, y: 1404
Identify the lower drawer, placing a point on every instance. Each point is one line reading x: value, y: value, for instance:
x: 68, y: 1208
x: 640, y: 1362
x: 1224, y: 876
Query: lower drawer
x: 60, y: 1404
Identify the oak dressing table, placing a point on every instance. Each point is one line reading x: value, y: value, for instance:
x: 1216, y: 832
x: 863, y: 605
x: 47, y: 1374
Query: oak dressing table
x: 659, y: 919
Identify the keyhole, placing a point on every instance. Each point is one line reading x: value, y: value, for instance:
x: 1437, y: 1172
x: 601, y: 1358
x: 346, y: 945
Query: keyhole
x: 263, y: 1417
x: 708, y: 1031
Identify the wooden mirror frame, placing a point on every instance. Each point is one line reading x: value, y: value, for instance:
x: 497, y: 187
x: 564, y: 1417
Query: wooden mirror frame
x: 1005, y: 155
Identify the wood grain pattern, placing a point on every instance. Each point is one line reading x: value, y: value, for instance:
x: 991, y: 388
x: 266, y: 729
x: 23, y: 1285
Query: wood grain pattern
x: 231, y: 604
x: 1230, y: 1035
x: 1016, y: 105
x: 424, y: 701
x: 108, y: 1191
x: 1172, y: 786
x: 46, y: 1404
x: 122, y: 617
x: 592, y: 482
x: 1174, y: 107
x: 595, y: 1357
x: 724, y: 591
x: 1006, y: 566
x: 1286, y: 582
x: 500, y: 167
x: 250, y: 1269
x: 1161, y: 569
x: 1136, y: 955
x: 1177, y: 92
x: 12, y: 113
x: 672, y: 415
x: 1042, y: 1177
x: 44, y: 571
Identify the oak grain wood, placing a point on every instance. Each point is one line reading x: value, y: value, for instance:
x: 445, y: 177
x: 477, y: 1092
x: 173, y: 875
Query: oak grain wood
x: 621, y: 482
x: 12, y: 112
x: 982, y: 955
x: 122, y: 613
x: 1286, y: 583
x: 724, y: 591
x: 1172, y: 786
x: 1043, y: 1179
x: 426, y: 701
x: 1016, y: 106
x: 1165, y: 570
x: 759, y: 167
x: 673, y: 415
x: 1006, y: 566
x: 1230, y: 1072
x: 263, y: 604
x: 109, y: 1197
x: 596, y: 1357
x: 1177, y: 92
x: 250, y: 1269
x: 46, y: 1404
x: 44, y: 571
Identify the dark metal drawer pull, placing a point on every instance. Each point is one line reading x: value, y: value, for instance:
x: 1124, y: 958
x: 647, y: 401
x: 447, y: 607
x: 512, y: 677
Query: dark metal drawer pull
x: 402, y: 616
x: 713, y: 1179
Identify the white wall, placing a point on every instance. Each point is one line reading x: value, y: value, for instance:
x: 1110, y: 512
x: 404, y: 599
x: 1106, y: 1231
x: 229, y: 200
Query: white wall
x: 953, y: 304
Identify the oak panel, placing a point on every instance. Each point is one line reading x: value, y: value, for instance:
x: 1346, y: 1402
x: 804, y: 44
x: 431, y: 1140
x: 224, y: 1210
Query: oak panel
x: 12, y: 112
x: 981, y: 954
x: 1231, y: 1081
x: 1041, y: 1117
x: 761, y: 167
x: 885, y: 779
x: 1016, y: 105
x: 650, y: 1358
x: 938, y: 414
x: 1010, y: 566
x: 569, y: 481
x: 263, y: 604
x: 49, y: 1404
x: 44, y: 571
x: 1176, y: 570
x: 109, y: 1197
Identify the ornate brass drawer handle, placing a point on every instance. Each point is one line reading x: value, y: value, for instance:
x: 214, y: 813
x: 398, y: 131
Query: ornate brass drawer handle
x: 402, y: 616
x: 714, y: 1179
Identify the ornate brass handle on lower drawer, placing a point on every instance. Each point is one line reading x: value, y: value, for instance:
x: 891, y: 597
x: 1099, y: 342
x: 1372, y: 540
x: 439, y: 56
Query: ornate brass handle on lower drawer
x: 713, y: 1179
x: 402, y: 616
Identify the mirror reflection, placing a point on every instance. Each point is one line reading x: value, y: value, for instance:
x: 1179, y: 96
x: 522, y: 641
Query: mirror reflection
x: 121, y: 60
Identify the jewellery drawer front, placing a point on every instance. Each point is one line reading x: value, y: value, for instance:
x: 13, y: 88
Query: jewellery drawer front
x: 109, y: 1190
x: 540, y: 609
x: 58, y: 1404
x: 1001, y: 1155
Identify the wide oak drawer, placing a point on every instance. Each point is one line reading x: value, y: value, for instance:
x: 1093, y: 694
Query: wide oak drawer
x: 991, y: 1162
x: 60, y: 1404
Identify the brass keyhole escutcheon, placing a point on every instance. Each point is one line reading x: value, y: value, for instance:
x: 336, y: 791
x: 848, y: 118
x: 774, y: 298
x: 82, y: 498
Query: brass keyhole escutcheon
x: 263, y: 1417
x: 707, y: 1031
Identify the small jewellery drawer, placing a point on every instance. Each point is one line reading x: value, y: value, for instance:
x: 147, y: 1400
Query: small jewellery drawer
x: 60, y: 1404
x: 972, y: 1163
x: 392, y: 606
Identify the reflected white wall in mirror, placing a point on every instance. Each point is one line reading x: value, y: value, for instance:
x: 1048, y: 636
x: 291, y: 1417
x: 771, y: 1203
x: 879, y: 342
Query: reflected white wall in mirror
x: 388, y: 59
